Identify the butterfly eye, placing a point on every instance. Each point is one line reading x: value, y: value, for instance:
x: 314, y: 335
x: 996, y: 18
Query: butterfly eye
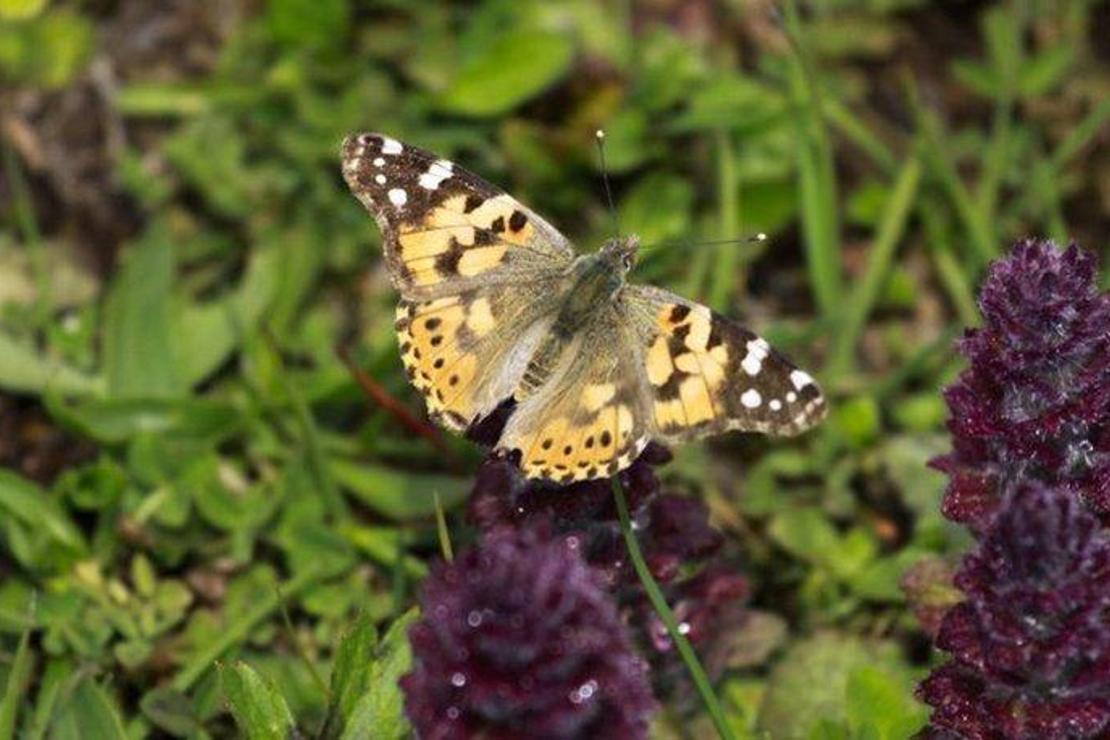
x: 626, y: 260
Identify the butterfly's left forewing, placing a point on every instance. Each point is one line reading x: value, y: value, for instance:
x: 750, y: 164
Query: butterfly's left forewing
x: 706, y: 374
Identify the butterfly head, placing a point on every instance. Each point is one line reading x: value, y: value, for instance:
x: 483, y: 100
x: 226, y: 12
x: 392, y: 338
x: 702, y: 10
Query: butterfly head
x: 620, y: 253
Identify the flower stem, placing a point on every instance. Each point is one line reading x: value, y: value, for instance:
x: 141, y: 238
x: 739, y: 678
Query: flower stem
x: 697, y: 673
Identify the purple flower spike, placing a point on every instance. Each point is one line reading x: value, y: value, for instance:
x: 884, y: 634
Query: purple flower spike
x: 519, y: 638
x: 1031, y: 644
x: 1035, y: 399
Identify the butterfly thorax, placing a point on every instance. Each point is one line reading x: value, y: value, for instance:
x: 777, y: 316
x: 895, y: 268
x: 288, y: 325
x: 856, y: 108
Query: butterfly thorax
x: 592, y: 281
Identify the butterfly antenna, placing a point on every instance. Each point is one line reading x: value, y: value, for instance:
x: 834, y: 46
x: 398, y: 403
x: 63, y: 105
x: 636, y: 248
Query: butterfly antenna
x: 757, y: 238
x: 605, y: 179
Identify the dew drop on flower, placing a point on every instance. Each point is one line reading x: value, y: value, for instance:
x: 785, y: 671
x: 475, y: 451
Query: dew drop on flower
x: 452, y: 713
x: 474, y: 618
x: 683, y: 628
x: 458, y: 679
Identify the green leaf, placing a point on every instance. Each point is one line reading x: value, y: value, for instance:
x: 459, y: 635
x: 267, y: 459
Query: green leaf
x: 14, y: 10
x: 517, y: 66
x: 397, y: 495
x: 47, y: 51
x: 113, y: 421
x: 24, y: 370
x: 210, y: 332
x: 350, y: 676
x: 808, y: 685
x: 89, y: 712
x: 733, y: 102
x: 308, y: 23
x: 380, y: 711
x: 139, y: 358
x: 171, y: 711
x: 883, y: 701
x: 857, y: 420
x: 25, y: 501
x: 805, y: 533
x: 260, y: 710
x: 657, y: 207
x: 54, y: 678
x: 1046, y: 70
x: 19, y: 678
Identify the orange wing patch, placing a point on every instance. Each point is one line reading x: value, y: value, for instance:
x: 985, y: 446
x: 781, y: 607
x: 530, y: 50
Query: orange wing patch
x: 686, y: 366
x: 434, y: 336
x: 598, y: 437
x: 464, y: 235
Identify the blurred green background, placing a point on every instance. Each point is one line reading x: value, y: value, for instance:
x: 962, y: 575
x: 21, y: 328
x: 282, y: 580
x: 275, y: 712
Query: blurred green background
x: 184, y: 451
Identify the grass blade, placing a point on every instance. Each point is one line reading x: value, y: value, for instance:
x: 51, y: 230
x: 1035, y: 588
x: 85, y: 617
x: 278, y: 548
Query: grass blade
x: 659, y: 603
x: 887, y: 237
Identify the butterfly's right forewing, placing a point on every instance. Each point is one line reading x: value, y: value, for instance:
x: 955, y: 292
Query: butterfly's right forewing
x: 446, y: 230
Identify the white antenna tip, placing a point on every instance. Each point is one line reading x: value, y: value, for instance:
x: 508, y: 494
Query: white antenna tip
x: 761, y: 237
x: 600, y: 134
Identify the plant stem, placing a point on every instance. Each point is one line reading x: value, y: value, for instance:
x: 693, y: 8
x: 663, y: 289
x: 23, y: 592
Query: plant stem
x: 697, y: 673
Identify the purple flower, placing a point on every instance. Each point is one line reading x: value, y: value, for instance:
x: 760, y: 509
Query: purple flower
x: 519, y: 637
x: 1031, y: 643
x: 1035, y: 399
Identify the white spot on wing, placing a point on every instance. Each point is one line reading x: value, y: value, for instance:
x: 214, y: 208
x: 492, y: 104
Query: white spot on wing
x: 751, y: 398
x: 775, y: 404
x: 391, y: 146
x: 378, y: 161
x: 380, y: 179
x: 800, y: 379
x: 791, y: 397
x: 398, y: 197
x: 438, y: 171
x: 757, y: 353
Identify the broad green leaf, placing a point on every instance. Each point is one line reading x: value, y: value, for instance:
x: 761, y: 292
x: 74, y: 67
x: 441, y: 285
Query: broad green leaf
x: 805, y: 533
x: 210, y: 332
x: 24, y: 370
x: 308, y: 23
x: 139, y: 356
x: 350, y: 676
x: 171, y: 711
x: 19, y: 676
x: 25, y: 501
x: 517, y: 66
x: 260, y: 710
x: 113, y: 421
x: 14, y: 10
x: 733, y: 102
x: 809, y: 682
x: 380, y: 711
x: 87, y: 713
x: 397, y: 495
x: 657, y: 208
x: 52, y: 683
x: 47, y: 51
x: 883, y: 700
x: 1046, y: 70
x: 857, y: 420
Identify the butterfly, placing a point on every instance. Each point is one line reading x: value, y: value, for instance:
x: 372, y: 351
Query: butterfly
x: 496, y: 304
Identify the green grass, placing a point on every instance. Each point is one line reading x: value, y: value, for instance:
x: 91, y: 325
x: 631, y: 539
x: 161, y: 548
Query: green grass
x: 209, y: 517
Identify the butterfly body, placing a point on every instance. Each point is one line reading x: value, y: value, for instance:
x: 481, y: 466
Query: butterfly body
x: 496, y: 304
